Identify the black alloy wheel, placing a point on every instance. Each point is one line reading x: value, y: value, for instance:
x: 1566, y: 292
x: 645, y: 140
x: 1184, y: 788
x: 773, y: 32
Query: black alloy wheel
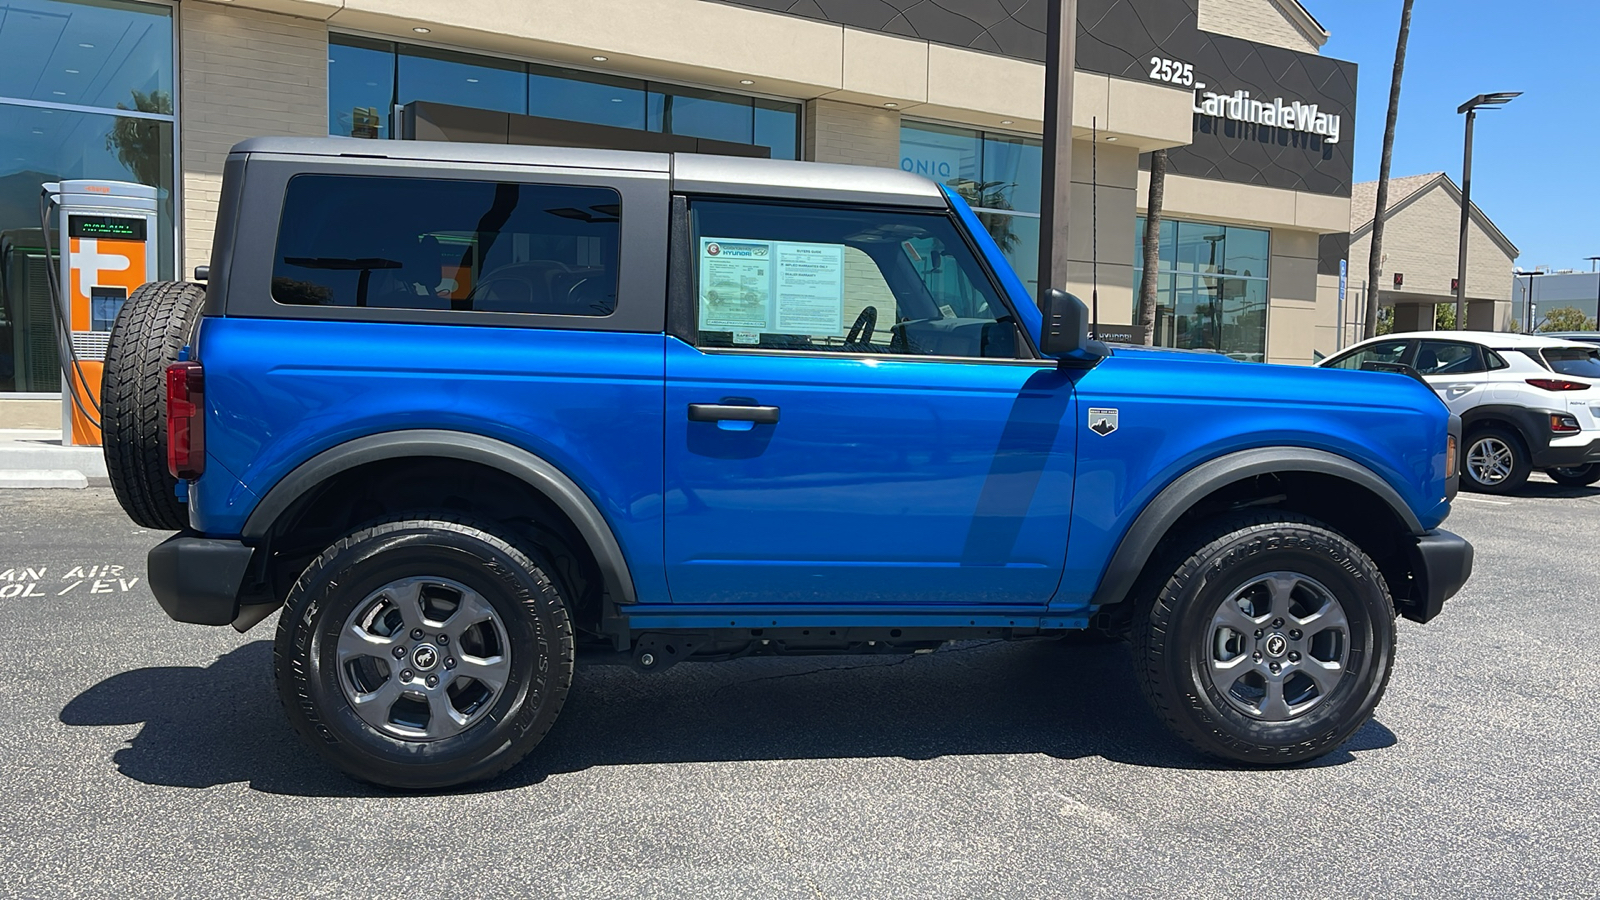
x: 1265, y: 638
x: 424, y: 652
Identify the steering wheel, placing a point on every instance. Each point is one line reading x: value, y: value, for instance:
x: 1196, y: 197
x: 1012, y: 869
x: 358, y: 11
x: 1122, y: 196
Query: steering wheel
x: 861, y: 331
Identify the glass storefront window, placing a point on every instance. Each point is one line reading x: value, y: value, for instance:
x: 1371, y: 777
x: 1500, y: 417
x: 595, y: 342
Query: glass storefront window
x: 461, y: 79
x: 101, y: 53
x: 115, y: 58
x: 704, y: 114
x: 1013, y: 168
x: 950, y: 156
x: 366, y: 78
x: 360, y: 86
x: 584, y: 97
x: 1211, y: 287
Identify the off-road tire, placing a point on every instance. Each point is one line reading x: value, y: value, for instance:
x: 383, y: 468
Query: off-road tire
x: 1173, y: 633
x: 1576, y: 476
x: 154, y: 324
x: 1520, y: 465
x: 511, y: 579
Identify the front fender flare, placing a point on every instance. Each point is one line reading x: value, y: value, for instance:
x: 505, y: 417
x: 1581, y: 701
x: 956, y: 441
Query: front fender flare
x: 514, y: 461
x: 1177, y: 498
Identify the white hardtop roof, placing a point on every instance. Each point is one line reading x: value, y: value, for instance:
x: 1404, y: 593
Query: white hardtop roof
x: 1498, y: 340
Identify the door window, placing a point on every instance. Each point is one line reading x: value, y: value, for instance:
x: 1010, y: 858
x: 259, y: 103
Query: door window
x: 1448, y: 358
x: 1382, y: 352
x: 843, y: 280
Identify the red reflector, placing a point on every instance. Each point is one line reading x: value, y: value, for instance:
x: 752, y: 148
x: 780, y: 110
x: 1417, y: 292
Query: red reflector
x: 1557, y: 384
x: 186, y: 422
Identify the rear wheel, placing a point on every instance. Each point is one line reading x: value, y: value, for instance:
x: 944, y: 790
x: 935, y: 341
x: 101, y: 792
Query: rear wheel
x: 1494, y: 462
x: 153, y: 326
x: 424, y: 653
x: 1271, y: 642
x: 1576, y: 476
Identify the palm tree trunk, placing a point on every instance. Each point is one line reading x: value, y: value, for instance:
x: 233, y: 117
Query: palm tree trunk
x: 1152, y: 246
x: 1375, y: 261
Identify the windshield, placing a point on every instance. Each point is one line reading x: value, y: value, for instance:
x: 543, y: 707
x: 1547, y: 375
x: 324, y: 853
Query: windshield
x: 1581, y: 363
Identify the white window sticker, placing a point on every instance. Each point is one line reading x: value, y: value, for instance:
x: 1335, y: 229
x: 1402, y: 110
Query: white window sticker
x: 749, y: 287
x: 810, y: 289
x: 747, y: 337
x: 735, y: 284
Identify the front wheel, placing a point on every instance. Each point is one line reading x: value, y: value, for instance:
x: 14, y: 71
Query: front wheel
x: 1271, y: 642
x: 1576, y: 476
x: 1494, y: 462
x: 424, y: 653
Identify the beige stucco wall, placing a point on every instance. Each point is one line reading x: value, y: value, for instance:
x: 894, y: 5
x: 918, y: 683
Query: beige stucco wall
x: 1422, y: 241
x: 1262, y: 21
x: 245, y: 74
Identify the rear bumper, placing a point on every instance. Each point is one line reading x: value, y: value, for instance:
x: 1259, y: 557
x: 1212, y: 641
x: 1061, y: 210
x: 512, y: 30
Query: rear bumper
x: 1557, y: 456
x: 1441, y: 562
x: 199, y: 580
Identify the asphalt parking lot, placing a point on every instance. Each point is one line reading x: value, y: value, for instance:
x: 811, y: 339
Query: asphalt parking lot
x: 139, y: 757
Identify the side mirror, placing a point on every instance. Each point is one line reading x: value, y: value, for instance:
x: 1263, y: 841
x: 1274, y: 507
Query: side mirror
x: 1065, y: 333
x: 1396, y: 369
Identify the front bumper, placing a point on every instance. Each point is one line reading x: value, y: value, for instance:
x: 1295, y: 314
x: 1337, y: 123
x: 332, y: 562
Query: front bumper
x: 198, y: 579
x: 1441, y: 562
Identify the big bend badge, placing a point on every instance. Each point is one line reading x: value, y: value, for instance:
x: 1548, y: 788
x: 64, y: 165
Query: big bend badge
x: 1102, y: 421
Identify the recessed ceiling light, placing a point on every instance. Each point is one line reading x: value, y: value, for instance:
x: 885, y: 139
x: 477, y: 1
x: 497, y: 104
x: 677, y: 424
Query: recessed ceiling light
x: 64, y: 93
x: 746, y: 81
x: 619, y: 100
x: 420, y: 30
x: 891, y: 106
x: 75, y: 71
x: 87, y: 46
x: 475, y: 81
x: 1013, y: 122
x: 1112, y: 140
x: 599, y: 58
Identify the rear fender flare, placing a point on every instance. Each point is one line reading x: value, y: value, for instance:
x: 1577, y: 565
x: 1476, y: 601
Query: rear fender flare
x: 537, y: 472
x: 1177, y: 498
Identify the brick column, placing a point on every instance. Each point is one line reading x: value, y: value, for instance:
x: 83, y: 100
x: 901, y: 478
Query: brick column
x: 851, y: 133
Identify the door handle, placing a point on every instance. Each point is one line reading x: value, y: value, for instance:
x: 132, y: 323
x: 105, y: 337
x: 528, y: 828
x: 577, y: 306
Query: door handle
x: 722, y: 412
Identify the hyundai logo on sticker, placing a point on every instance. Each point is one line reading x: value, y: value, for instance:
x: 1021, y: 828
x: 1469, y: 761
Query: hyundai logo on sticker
x: 1102, y: 421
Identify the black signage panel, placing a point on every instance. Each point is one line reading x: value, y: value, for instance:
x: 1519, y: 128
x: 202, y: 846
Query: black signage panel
x: 122, y: 228
x: 1264, y: 115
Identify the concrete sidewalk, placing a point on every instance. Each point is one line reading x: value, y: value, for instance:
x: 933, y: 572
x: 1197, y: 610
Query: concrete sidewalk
x: 34, y: 458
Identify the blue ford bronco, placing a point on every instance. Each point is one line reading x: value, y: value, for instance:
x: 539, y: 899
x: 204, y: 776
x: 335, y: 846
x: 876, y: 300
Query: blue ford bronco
x: 466, y: 412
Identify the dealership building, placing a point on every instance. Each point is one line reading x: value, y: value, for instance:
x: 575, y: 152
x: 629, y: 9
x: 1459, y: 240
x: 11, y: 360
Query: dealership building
x: 1258, y: 125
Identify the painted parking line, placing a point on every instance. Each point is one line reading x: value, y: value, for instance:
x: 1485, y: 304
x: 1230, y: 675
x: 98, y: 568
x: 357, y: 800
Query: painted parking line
x: 1490, y: 502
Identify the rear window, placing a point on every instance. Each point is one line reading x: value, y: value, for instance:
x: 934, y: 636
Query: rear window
x: 1581, y: 363
x: 468, y: 246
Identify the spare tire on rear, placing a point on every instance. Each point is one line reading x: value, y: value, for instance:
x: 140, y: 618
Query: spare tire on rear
x: 153, y: 326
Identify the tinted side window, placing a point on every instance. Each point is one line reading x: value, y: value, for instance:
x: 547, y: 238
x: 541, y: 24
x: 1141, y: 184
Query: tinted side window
x: 843, y: 280
x: 1384, y: 352
x: 1447, y: 358
x: 1581, y: 363
x: 469, y: 246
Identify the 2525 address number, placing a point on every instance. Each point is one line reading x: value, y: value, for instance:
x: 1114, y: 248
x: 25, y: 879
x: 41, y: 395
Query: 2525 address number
x: 1171, y: 71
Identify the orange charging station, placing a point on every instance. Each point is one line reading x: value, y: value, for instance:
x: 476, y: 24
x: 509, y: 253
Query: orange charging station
x: 109, y: 248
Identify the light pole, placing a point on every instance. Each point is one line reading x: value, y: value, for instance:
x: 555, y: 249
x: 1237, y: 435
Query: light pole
x: 1594, y: 265
x: 1061, y: 54
x: 1471, y: 107
x: 1527, y: 322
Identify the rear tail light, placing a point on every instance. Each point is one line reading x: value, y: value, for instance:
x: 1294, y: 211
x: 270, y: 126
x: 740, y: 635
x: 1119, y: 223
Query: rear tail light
x: 1452, y: 459
x: 1557, y: 384
x: 1561, y: 423
x: 186, y: 423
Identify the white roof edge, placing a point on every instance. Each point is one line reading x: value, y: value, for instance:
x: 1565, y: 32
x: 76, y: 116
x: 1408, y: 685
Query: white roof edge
x: 1304, y: 20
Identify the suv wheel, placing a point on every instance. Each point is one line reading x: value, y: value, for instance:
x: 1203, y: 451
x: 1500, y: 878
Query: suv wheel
x: 424, y: 653
x: 150, y: 330
x: 1271, y: 643
x: 1576, y: 476
x: 1494, y: 462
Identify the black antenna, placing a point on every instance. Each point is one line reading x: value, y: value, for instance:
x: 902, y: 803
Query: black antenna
x: 1094, y: 227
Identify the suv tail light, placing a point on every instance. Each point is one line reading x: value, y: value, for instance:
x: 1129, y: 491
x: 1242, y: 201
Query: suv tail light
x: 186, y: 422
x: 1557, y: 384
x: 1561, y: 423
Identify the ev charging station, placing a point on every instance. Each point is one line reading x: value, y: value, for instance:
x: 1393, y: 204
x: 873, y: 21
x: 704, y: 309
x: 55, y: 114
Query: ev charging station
x: 109, y: 248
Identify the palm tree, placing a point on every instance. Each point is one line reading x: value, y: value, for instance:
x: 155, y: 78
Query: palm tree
x: 1375, y: 261
x: 144, y: 146
x: 1152, y: 246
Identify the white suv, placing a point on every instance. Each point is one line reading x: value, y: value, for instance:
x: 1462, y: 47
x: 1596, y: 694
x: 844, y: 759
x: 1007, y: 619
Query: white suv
x: 1526, y: 401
